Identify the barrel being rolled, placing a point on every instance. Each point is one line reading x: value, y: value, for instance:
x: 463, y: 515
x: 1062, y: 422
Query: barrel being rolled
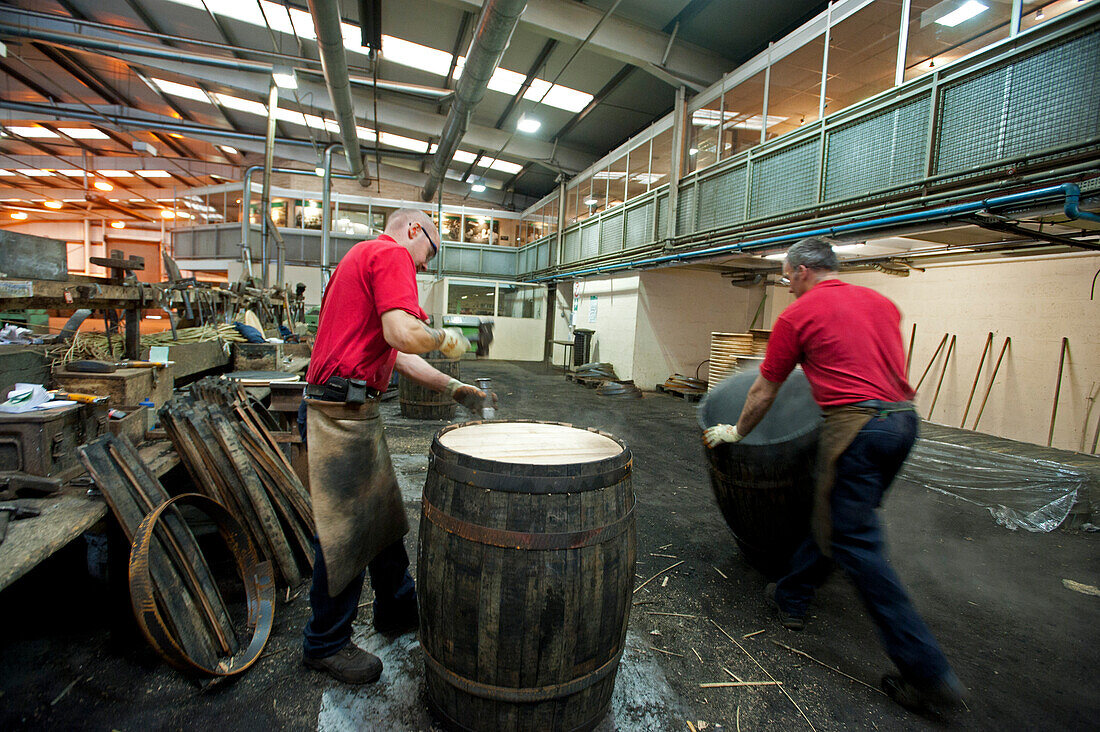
x: 764, y: 483
x: 525, y: 572
x: 420, y: 402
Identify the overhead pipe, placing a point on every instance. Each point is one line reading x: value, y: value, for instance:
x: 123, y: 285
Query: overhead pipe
x: 491, y: 36
x: 136, y: 49
x: 334, y: 63
x: 326, y: 216
x: 269, y: 161
x: 1070, y: 191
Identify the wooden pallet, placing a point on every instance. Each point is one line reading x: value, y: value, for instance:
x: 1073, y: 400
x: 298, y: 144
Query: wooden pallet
x: 689, y: 395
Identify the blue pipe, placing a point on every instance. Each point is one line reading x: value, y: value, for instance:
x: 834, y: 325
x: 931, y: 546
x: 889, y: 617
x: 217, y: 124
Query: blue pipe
x: 1071, y: 192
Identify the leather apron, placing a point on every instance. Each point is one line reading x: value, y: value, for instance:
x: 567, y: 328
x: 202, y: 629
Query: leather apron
x: 357, y: 504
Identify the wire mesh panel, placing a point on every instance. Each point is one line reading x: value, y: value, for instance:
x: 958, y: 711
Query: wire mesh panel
x: 784, y: 180
x: 572, y: 245
x: 722, y: 199
x: 590, y: 239
x: 1047, y: 99
x: 542, y: 255
x: 494, y: 262
x: 611, y: 233
x: 458, y: 258
x: 877, y: 152
x: 685, y: 209
x: 639, y: 224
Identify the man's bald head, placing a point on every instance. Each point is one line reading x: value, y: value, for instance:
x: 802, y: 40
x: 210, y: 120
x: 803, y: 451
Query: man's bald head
x: 414, y: 230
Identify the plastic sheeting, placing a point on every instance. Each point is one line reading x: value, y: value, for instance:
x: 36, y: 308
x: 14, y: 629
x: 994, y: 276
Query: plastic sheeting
x: 1036, y: 495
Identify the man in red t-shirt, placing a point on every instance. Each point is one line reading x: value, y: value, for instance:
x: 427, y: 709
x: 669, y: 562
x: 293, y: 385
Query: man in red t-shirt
x: 370, y: 323
x: 848, y: 340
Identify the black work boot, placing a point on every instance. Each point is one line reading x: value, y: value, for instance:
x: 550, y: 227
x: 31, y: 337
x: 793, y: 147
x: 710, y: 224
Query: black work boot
x: 943, y: 696
x: 351, y: 665
x: 788, y: 621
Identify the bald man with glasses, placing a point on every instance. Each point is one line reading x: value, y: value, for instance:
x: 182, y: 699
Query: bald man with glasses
x: 371, y: 323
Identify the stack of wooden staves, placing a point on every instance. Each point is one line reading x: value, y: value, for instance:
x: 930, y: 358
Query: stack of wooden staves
x: 731, y: 352
x: 225, y: 441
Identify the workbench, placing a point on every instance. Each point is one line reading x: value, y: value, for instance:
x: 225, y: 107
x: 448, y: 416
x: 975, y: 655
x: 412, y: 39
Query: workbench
x: 65, y: 516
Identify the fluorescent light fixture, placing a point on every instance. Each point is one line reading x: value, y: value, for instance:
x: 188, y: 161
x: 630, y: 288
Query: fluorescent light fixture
x: 590, y: 201
x: 153, y: 173
x: 103, y: 185
x: 53, y: 204
x: 83, y: 133
x: 527, y: 124
x: 647, y: 178
x: 477, y: 187
x: 756, y: 122
x: 608, y: 175
x: 229, y: 150
x: 31, y: 131
x: 116, y: 173
x: 963, y: 13
x: 71, y: 172
x: 153, y: 317
x: 19, y: 215
x: 118, y: 224
x: 34, y: 172
x: 6, y: 172
x: 319, y: 172
x: 284, y: 77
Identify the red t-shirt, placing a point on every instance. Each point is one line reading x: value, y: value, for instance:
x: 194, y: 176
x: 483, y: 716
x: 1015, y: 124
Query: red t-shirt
x: 848, y: 340
x: 375, y: 276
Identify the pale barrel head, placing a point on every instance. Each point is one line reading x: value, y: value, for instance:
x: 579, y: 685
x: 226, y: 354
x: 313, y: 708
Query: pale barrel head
x: 532, y: 443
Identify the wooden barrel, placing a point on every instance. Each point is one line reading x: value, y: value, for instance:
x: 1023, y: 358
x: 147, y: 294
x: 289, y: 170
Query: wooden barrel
x: 419, y: 402
x: 764, y: 483
x: 525, y: 574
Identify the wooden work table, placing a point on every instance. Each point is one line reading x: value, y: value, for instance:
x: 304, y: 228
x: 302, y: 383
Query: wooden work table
x: 65, y: 516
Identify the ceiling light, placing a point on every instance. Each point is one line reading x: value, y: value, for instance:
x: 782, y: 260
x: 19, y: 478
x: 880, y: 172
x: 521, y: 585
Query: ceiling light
x: 693, y: 151
x: 229, y: 150
x: 167, y: 213
x: 152, y: 173
x: 103, y: 185
x: 71, y: 171
x: 181, y: 90
x: 118, y: 225
x: 31, y: 131
x: 591, y: 201
x: 284, y: 77
x: 34, y: 172
x: 477, y: 187
x: 19, y: 215
x: 53, y: 204
x: 963, y: 13
x: 319, y: 172
x: 527, y: 124
x: 609, y: 175
x: 116, y: 173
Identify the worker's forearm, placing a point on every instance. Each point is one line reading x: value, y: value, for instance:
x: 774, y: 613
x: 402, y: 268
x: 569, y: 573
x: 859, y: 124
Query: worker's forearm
x: 757, y: 403
x: 409, y: 335
x: 415, y: 368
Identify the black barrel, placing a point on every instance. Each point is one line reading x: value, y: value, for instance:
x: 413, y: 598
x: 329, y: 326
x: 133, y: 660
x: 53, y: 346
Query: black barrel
x: 525, y: 572
x: 420, y: 402
x: 764, y: 483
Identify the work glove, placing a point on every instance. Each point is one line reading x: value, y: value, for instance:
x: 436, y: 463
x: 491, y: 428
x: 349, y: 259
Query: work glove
x: 719, y: 433
x: 469, y: 396
x: 454, y: 344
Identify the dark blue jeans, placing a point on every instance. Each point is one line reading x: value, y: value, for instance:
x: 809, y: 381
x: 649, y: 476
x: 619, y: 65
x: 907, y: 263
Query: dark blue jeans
x: 863, y: 474
x: 329, y: 627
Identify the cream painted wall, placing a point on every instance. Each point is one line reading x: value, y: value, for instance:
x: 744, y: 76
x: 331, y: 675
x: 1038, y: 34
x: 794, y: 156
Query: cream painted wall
x: 616, y: 319
x: 517, y: 339
x: 677, y: 311
x: 1036, y: 302
x: 561, y: 311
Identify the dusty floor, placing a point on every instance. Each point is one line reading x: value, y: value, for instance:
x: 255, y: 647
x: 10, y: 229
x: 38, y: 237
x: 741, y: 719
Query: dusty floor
x: 1020, y: 640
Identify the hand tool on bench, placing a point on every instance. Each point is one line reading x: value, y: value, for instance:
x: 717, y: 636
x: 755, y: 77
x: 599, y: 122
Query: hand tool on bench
x: 78, y: 397
x: 108, y: 367
x: 14, y: 513
x: 18, y: 485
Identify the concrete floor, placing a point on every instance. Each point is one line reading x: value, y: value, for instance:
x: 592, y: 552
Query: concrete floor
x: 1020, y: 639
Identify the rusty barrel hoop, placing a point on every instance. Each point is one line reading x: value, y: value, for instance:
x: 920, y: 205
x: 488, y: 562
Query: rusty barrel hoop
x: 525, y: 574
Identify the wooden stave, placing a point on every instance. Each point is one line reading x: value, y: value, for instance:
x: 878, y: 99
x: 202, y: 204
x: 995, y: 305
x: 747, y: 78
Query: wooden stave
x: 450, y: 569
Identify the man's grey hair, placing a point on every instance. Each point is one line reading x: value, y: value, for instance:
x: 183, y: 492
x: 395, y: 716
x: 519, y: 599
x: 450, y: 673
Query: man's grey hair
x: 812, y: 253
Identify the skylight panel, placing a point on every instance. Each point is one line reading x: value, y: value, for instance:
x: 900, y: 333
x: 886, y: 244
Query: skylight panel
x: 241, y: 105
x: 34, y: 172
x: 568, y: 99
x: 181, y: 90
x: 34, y: 131
x: 84, y: 133
x: 405, y: 143
x: 504, y: 166
x: 116, y: 173
x: 154, y: 173
x: 414, y: 55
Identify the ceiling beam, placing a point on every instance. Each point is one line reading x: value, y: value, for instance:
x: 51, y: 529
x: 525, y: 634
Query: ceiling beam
x: 620, y: 39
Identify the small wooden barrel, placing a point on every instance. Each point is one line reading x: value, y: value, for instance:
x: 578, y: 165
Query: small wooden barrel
x: 525, y: 574
x: 764, y: 483
x: 419, y: 402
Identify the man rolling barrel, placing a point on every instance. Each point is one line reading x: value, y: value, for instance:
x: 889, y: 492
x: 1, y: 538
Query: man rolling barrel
x: 848, y: 340
x: 370, y: 323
